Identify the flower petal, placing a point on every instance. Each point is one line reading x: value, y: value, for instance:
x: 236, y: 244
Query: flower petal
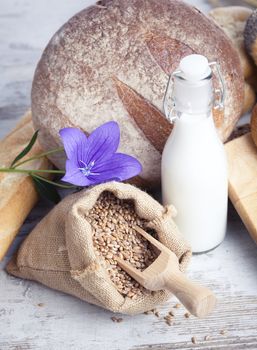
x: 74, y: 176
x: 75, y: 143
x: 119, y: 167
x: 103, y: 142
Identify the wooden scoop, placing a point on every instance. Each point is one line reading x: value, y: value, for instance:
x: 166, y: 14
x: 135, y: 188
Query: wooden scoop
x: 164, y: 273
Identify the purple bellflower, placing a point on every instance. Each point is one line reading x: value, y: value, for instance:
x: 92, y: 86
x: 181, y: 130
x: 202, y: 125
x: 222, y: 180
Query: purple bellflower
x: 92, y: 160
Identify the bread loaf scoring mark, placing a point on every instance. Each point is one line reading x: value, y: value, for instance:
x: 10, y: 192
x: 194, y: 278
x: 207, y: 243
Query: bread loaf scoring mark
x: 149, y: 119
x: 167, y: 51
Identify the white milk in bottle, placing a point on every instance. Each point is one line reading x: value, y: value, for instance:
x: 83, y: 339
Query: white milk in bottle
x: 194, y: 167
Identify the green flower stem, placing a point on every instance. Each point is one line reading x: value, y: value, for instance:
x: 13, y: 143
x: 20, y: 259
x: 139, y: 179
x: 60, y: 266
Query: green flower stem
x: 52, y: 182
x: 30, y: 171
x: 60, y: 149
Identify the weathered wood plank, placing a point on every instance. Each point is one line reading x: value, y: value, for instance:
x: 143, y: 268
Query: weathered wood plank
x: 240, y: 343
x: 35, y: 317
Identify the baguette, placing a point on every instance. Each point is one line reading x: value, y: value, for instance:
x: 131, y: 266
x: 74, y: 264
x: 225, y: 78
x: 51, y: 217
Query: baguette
x: 17, y: 192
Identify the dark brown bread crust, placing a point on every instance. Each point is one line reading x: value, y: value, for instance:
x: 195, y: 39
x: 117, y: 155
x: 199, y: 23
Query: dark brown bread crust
x: 254, y: 124
x: 136, y: 43
x: 250, y: 35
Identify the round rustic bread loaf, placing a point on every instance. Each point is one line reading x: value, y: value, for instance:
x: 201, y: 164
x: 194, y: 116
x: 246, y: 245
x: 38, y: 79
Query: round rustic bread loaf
x: 111, y: 62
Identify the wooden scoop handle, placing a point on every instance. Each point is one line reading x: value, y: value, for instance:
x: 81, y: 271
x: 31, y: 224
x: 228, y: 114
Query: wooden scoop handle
x: 198, y: 300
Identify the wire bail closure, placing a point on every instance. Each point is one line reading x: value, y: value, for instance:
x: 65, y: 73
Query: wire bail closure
x: 169, y: 102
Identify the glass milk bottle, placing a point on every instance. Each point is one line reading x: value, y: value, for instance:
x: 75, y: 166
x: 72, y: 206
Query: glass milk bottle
x: 194, y: 167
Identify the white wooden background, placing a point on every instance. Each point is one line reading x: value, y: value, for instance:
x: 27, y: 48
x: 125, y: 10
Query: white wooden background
x: 35, y: 317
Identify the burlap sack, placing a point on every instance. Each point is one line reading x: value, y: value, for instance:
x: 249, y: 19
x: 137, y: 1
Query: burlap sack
x: 59, y: 251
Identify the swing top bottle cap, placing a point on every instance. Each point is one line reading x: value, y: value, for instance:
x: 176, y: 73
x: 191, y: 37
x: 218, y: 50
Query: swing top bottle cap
x: 194, y: 67
x: 193, y: 89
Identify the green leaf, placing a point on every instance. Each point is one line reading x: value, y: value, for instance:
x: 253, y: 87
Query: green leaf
x: 46, y: 190
x: 26, y: 149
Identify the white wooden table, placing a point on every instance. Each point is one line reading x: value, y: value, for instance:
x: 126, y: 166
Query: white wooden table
x: 35, y: 317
